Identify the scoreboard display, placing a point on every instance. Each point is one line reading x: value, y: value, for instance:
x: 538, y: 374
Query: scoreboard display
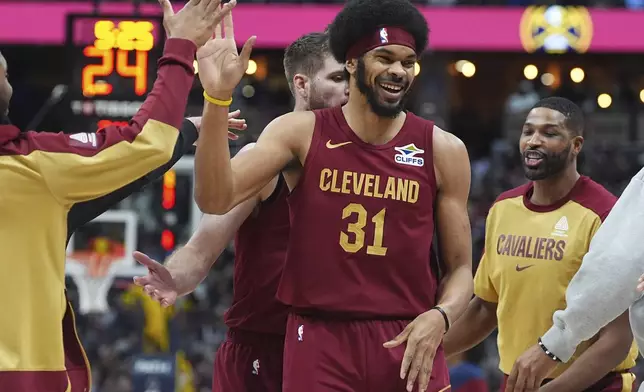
x: 113, y: 66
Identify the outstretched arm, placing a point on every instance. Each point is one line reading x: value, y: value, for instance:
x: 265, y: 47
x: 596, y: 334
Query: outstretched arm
x: 82, y: 213
x: 190, y: 265
x: 222, y: 183
x: 85, y: 166
x: 604, y: 286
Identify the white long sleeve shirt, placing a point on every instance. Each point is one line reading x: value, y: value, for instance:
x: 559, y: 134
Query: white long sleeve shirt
x: 605, y: 285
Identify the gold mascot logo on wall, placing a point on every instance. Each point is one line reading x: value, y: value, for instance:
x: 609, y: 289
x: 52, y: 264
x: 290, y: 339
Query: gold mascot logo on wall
x: 556, y: 29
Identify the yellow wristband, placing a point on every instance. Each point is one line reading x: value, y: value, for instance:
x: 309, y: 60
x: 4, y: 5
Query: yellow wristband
x: 216, y: 101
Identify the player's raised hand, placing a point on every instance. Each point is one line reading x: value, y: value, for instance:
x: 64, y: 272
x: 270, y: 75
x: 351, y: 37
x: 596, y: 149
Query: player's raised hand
x: 423, y: 336
x: 158, y: 283
x: 221, y: 67
x: 196, y: 20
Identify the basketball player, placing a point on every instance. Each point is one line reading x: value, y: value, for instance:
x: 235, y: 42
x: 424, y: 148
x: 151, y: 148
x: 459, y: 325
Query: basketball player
x: 365, y: 179
x: 251, y: 357
x: 601, y: 291
x: 45, y: 174
x: 536, y: 236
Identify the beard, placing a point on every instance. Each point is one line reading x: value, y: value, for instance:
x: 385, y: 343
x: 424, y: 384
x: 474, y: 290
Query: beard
x: 316, y: 99
x: 380, y: 109
x: 551, y: 165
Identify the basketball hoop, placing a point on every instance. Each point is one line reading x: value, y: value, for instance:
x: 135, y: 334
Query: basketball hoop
x: 97, y: 253
x: 93, y: 279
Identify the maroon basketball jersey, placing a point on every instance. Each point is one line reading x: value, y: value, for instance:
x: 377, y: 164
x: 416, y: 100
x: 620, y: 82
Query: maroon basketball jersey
x: 362, y: 223
x: 260, y: 252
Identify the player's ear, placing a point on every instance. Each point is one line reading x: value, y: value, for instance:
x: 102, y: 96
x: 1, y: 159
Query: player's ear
x: 577, y: 144
x: 301, y: 84
x: 351, y: 66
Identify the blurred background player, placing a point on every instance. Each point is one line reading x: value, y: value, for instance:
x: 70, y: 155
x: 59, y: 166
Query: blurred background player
x: 536, y: 237
x: 365, y: 180
x: 251, y: 357
x: 66, y: 169
x: 465, y: 372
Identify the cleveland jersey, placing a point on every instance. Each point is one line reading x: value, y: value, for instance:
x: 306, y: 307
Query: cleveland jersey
x: 260, y: 252
x: 362, y: 223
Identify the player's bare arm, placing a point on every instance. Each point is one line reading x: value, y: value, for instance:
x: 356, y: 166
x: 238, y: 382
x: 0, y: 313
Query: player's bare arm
x: 606, y: 353
x: 425, y: 333
x: 453, y: 176
x: 222, y: 183
x: 188, y: 266
x: 477, y: 323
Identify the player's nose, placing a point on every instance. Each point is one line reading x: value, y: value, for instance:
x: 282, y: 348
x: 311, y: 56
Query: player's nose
x: 397, y: 71
x: 535, y: 140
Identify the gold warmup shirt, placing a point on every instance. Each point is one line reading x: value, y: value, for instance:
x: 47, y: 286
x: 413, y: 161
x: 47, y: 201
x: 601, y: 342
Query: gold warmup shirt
x: 531, y: 254
x: 42, y: 175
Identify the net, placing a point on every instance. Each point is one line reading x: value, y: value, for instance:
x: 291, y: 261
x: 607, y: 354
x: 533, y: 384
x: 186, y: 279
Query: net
x: 97, y: 253
x: 94, y: 276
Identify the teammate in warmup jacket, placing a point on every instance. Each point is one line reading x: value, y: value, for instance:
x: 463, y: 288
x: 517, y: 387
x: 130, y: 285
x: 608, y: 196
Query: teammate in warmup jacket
x: 45, y: 174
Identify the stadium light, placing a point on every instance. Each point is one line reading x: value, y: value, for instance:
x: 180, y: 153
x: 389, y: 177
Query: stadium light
x: 642, y: 95
x: 530, y: 71
x: 252, y: 67
x: 248, y: 91
x: 547, y: 79
x: 416, y: 69
x: 577, y: 75
x: 459, y: 65
x: 604, y: 100
x: 468, y: 70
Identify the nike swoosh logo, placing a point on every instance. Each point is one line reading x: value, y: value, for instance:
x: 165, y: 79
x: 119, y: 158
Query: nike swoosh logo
x: 525, y: 267
x: 331, y: 146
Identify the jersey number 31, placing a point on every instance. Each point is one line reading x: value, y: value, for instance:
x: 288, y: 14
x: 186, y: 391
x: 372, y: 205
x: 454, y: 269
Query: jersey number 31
x: 357, y: 229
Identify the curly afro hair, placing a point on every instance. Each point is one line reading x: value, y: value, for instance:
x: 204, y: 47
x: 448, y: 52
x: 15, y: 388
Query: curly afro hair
x: 360, y: 17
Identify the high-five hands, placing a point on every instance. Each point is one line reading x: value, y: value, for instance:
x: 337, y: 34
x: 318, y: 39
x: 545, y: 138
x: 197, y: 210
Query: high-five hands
x: 221, y: 67
x: 196, y: 20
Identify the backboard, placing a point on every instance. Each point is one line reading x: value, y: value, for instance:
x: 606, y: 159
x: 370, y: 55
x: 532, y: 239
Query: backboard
x: 155, y: 220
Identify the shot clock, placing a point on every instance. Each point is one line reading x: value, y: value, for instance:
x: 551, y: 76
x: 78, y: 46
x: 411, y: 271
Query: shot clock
x: 113, y: 66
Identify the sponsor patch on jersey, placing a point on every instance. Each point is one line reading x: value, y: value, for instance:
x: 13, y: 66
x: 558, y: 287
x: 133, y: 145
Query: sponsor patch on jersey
x: 85, y: 140
x: 407, y: 155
